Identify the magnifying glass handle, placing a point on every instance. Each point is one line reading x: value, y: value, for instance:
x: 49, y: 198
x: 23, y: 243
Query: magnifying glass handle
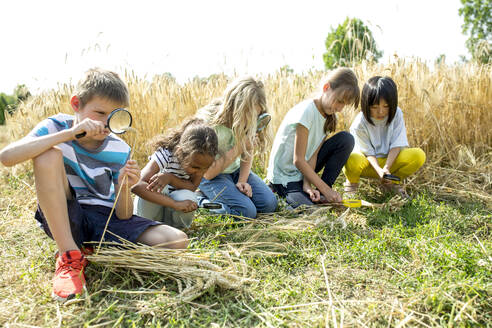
x: 80, y: 135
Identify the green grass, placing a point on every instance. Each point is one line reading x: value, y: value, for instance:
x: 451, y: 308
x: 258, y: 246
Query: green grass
x: 426, y: 263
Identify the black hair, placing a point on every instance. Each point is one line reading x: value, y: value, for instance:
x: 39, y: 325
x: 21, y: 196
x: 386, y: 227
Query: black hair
x: 193, y: 136
x: 374, y: 89
x: 343, y: 82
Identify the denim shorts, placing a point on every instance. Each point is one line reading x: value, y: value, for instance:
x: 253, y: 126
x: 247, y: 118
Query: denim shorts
x: 87, y: 223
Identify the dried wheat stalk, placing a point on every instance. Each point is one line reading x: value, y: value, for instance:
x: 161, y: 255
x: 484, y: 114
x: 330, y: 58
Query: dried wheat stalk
x: 198, y: 270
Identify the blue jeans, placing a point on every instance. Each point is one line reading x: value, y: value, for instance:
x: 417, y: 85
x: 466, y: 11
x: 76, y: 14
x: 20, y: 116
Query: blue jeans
x: 235, y: 202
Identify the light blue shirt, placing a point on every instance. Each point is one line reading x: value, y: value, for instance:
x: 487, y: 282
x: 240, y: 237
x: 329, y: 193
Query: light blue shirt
x: 226, y: 141
x: 377, y: 140
x: 281, y: 168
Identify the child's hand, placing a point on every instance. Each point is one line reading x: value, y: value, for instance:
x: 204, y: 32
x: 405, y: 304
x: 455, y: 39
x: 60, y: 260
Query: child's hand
x: 381, y: 174
x: 185, y: 206
x: 332, y: 196
x: 158, y: 182
x: 245, y: 188
x: 90, y: 127
x: 314, y: 194
x: 132, y: 172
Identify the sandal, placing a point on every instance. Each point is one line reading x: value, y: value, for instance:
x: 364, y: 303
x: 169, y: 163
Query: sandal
x: 394, y: 188
x: 350, y: 187
x: 400, y: 190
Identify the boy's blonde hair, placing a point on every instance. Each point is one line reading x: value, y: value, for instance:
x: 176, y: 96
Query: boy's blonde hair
x: 345, y: 85
x: 237, y: 111
x: 102, y: 83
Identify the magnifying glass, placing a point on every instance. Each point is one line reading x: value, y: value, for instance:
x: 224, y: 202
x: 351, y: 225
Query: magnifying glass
x: 211, y: 206
x: 263, y: 121
x: 391, y: 177
x: 119, y: 121
x: 352, y: 203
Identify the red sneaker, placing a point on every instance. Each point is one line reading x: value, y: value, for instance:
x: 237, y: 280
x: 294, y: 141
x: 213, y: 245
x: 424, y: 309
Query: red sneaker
x: 89, y: 250
x: 85, y: 251
x: 69, y: 279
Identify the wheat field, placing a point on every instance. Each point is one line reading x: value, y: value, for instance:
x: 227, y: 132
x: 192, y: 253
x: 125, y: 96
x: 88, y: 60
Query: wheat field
x: 424, y: 263
x: 447, y: 109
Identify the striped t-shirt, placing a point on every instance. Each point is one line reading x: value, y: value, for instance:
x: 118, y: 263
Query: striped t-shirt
x: 91, y: 173
x: 168, y: 163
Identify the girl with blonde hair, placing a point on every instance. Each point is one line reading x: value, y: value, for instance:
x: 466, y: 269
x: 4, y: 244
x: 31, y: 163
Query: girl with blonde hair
x: 302, y: 148
x: 230, y: 179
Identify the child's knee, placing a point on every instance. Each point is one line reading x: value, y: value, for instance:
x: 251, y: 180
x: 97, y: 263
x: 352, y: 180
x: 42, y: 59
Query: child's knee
x: 182, y: 240
x: 419, y: 156
x: 270, y: 205
x: 413, y: 157
x: 164, y: 236
x: 346, y: 139
x: 247, y: 210
x: 48, y: 159
x: 183, y: 194
x: 354, y: 162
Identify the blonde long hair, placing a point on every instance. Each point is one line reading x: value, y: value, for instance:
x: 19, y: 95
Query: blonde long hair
x: 237, y: 111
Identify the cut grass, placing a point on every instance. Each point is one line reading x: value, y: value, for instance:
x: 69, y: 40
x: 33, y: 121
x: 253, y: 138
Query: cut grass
x: 426, y: 263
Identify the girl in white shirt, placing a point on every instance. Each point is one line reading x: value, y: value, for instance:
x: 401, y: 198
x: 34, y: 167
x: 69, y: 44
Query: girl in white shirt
x: 381, y: 145
x: 304, y: 146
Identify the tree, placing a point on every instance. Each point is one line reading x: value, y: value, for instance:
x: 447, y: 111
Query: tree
x: 6, y: 103
x: 478, y: 25
x: 9, y: 103
x: 21, y: 92
x: 351, y: 42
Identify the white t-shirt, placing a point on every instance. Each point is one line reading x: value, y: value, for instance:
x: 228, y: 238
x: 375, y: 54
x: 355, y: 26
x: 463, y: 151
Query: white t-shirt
x: 378, y: 139
x: 281, y: 168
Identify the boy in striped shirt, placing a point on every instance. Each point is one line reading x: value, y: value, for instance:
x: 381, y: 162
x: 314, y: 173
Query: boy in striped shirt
x: 77, y: 179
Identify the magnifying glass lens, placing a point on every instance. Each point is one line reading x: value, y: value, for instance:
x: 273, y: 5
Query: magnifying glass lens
x: 263, y: 121
x: 119, y: 121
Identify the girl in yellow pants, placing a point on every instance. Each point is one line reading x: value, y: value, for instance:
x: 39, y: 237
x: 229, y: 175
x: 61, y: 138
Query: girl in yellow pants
x: 408, y: 161
x: 381, y: 145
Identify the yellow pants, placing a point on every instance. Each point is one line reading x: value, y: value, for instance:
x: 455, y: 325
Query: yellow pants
x: 408, y: 161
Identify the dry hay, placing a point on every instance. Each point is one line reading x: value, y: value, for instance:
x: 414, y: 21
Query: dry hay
x: 464, y: 176
x: 334, y: 216
x: 300, y: 219
x: 195, y: 271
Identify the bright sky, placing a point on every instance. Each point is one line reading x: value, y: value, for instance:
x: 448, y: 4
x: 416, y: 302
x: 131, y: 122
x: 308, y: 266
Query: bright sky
x: 55, y: 41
